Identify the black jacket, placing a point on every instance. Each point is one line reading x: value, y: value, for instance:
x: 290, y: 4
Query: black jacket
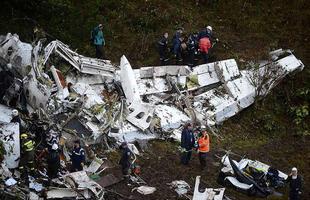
x: 187, y: 139
x: 295, y: 184
x: 125, y: 159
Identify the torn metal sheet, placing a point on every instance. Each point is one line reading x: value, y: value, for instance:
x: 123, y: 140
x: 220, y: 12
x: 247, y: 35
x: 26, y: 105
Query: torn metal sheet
x: 6, y: 114
x: 152, y: 80
x: 227, y: 70
x: 208, y: 194
x: 76, y: 125
x: 215, y: 105
x: 128, y: 81
x: 161, y: 71
x: 180, y: 186
x: 94, y: 165
x: 61, y: 193
x: 17, y: 53
x: 81, y: 63
x: 4, y: 171
x: 9, y: 135
x: 37, y: 94
x: 237, y: 183
x: 242, y: 91
x: 170, y: 117
x: 82, y: 181
x: 130, y: 133
x: 206, y: 74
x: 108, y: 180
x: 247, y: 175
x: 140, y: 114
x: 91, y: 96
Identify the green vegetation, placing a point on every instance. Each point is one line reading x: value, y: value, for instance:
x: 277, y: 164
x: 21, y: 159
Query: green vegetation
x: 274, y: 130
x: 2, y: 151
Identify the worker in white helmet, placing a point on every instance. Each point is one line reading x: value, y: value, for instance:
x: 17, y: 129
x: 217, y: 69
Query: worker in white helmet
x: 15, y: 116
x: 53, y: 162
x: 295, y: 183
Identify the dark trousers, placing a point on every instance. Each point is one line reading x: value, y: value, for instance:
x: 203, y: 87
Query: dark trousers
x: 205, y: 57
x: 52, y: 171
x: 294, y: 196
x: 125, y: 168
x: 162, y: 55
x: 76, y: 167
x: 202, y: 159
x: 191, y: 59
x: 99, y: 52
x: 26, y: 164
x: 186, y: 156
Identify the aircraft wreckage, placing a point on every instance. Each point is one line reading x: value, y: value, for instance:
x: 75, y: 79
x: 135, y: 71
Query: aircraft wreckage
x: 95, y: 100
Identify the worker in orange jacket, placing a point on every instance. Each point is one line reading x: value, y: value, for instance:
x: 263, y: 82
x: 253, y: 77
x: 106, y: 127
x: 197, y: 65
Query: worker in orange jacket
x: 203, y: 148
x: 204, y: 46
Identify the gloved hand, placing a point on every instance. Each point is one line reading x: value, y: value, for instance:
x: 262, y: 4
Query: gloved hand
x: 217, y: 40
x: 299, y: 192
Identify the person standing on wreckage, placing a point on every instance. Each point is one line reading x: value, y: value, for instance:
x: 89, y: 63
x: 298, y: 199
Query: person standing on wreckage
x: 53, y: 162
x: 77, y: 157
x: 125, y: 159
x: 98, y: 40
x: 26, y: 164
x: 187, y: 143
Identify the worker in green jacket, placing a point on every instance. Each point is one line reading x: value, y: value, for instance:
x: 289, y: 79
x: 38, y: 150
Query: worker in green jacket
x: 26, y: 165
x: 98, y: 40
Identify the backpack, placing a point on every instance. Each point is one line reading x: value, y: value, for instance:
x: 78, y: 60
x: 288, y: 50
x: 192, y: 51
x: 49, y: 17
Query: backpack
x: 93, y: 34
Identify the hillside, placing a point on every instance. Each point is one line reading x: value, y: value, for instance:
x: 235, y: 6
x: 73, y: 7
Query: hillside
x: 274, y: 130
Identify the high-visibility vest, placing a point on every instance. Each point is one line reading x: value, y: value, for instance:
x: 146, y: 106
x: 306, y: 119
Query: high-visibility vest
x: 28, y: 145
x: 204, y: 144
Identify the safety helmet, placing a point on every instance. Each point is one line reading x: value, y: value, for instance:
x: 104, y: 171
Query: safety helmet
x: 55, y: 146
x: 294, y: 169
x: 15, y: 112
x: 209, y: 28
x: 24, y: 136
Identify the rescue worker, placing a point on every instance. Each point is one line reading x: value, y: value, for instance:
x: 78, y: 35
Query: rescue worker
x: 99, y: 41
x: 53, y: 162
x: 187, y: 143
x: 176, y: 45
x: 192, y: 46
x: 203, y: 148
x: 77, y: 157
x: 51, y: 138
x: 125, y: 158
x: 295, y: 183
x: 204, y: 47
x: 26, y: 165
x: 163, y: 49
x: 15, y: 116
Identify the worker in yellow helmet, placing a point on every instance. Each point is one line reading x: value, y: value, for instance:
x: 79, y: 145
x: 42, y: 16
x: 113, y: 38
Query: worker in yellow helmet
x: 26, y: 164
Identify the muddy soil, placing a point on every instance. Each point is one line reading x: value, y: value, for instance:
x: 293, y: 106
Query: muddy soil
x: 160, y: 165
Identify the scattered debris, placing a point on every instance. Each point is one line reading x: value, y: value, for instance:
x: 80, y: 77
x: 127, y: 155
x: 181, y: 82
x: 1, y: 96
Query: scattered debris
x: 208, y: 194
x: 251, y: 177
x: 181, y: 187
x: 104, y: 105
x: 145, y: 190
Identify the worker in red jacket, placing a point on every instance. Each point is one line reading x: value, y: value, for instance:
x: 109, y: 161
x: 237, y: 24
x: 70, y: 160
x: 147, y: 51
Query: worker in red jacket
x: 204, y: 47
